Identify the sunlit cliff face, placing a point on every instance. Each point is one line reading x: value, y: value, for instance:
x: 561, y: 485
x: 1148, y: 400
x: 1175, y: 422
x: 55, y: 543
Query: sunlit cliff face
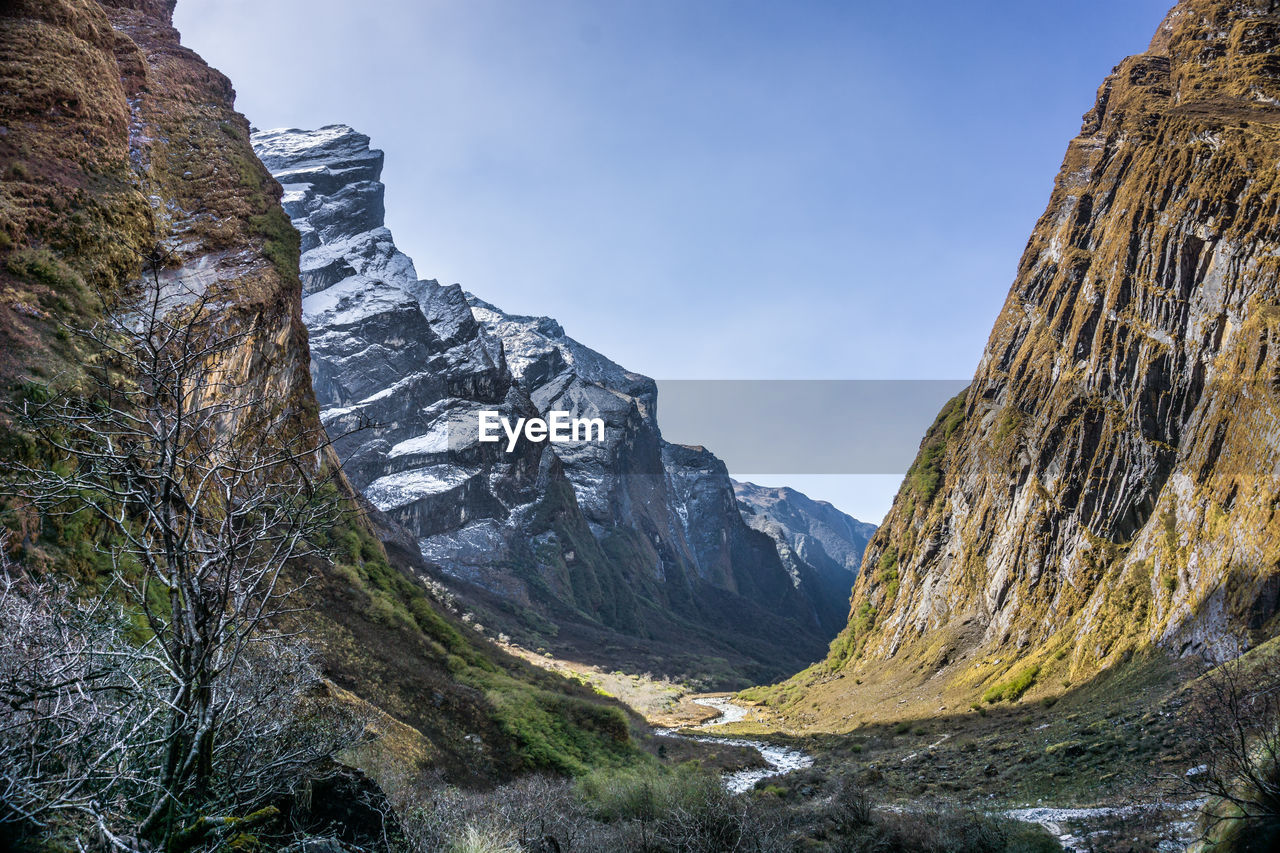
x: 1109, y: 480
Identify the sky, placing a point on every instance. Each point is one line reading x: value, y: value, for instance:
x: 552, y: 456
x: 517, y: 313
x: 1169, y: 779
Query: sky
x: 705, y: 189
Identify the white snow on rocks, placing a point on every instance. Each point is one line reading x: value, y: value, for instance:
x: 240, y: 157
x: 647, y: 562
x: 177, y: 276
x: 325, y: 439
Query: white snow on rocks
x: 397, y: 490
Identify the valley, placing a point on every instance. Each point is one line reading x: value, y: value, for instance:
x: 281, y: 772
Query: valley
x: 303, y: 552
x: 621, y: 546
x: 1105, y: 768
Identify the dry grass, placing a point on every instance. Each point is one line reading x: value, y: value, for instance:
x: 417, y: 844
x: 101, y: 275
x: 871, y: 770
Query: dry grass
x: 661, y: 701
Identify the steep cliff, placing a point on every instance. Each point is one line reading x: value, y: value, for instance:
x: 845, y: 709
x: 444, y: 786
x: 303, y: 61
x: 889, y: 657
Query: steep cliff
x: 1110, y: 480
x: 120, y: 147
x: 626, y: 550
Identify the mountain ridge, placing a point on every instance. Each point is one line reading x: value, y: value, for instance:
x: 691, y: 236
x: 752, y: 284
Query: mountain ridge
x: 815, y: 541
x: 1106, y: 485
x: 123, y: 150
x: 632, y: 537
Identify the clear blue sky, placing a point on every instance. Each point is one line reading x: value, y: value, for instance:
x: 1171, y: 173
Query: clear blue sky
x: 704, y: 188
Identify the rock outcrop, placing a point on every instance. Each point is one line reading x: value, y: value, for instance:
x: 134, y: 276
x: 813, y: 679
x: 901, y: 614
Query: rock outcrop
x: 1111, y: 479
x: 630, y: 549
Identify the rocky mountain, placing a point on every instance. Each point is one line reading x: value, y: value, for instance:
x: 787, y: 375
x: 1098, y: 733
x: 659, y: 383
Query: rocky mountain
x: 626, y: 549
x: 819, y: 545
x: 1110, y: 481
x: 119, y: 147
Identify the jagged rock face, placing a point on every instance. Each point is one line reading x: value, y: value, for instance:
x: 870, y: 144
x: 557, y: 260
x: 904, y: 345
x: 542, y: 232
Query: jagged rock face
x: 1112, y: 476
x: 117, y: 141
x: 632, y: 534
x: 395, y: 393
x: 681, y: 497
x: 820, y: 545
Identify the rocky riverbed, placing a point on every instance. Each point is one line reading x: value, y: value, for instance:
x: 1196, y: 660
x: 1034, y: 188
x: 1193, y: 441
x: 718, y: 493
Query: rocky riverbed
x: 779, y: 759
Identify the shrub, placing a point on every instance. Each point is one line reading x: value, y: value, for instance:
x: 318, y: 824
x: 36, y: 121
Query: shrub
x: 653, y: 809
x: 473, y: 839
x: 686, y: 809
x: 639, y: 793
x: 382, y: 609
x: 1238, y: 709
x: 850, y: 805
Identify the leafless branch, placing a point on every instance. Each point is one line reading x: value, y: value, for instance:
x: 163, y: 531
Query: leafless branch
x: 209, y: 484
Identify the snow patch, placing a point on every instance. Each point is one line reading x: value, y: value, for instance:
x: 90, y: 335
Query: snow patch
x: 397, y: 490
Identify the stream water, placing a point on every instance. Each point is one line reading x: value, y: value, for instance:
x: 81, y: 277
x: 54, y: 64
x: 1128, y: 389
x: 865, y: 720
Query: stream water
x: 1069, y: 825
x: 780, y: 759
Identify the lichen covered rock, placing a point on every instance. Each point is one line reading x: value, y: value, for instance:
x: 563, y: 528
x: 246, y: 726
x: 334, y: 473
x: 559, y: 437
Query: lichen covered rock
x: 1111, y: 478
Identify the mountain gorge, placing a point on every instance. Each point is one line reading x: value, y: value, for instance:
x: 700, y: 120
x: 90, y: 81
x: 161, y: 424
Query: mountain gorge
x: 631, y: 550
x: 1063, y: 635
x: 1107, y: 485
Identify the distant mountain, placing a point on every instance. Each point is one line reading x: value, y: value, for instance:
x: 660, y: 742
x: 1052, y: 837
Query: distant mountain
x: 631, y: 550
x: 819, y: 545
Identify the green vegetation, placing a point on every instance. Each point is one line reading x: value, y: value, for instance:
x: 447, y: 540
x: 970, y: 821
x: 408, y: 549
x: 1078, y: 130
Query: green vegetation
x: 1012, y: 688
x: 548, y: 723
x: 887, y: 574
x: 848, y: 644
x: 560, y: 733
x: 281, y: 243
x: 44, y: 267
x: 658, y: 809
x: 1011, y: 421
x: 395, y: 599
x: 925, y: 476
x: 644, y: 793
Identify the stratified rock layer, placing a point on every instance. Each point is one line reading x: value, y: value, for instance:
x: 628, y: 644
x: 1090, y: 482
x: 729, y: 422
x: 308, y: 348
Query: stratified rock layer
x: 1111, y: 479
x: 627, y: 550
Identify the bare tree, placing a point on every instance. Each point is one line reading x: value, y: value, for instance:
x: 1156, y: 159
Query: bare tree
x: 83, y: 708
x: 71, y: 718
x: 210, y: 484
x: 1238, y: 716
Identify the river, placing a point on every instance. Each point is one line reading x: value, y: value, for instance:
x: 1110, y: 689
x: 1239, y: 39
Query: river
x: 780, y: 759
